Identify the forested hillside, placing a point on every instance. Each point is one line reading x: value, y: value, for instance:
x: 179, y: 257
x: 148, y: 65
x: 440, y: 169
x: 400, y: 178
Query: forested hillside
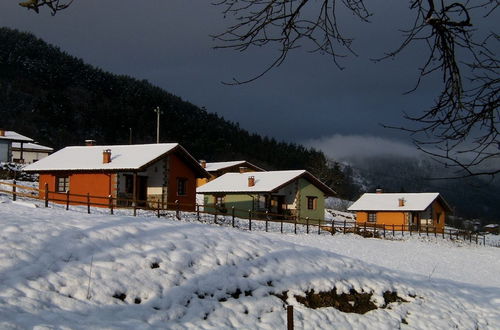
x: 59, y: 100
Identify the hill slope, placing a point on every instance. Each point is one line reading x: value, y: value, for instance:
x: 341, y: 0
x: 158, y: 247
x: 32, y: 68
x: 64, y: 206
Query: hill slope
x: 59, y: 100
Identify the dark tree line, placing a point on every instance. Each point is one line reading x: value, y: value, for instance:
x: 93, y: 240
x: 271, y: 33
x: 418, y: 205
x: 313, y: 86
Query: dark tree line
x: 60, y: 101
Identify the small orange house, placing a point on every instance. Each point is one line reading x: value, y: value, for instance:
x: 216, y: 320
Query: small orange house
x: 410, y: 211
x: 141, y: 174
x: 217, y: 169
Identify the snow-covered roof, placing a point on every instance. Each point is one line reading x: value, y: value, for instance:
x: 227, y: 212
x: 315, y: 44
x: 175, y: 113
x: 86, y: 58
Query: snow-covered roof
x: 492, y: 225
x: 13, y: 136
x: 217, y: 166
x: 390, y: 202
x: 31, y: 146
x: 264, y: 182
x: 123, y: 157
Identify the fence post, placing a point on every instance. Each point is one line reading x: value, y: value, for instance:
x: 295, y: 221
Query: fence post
x: 110, y: 204
x: 250, y: 220
x: 435, y: 231
x: 67, y: 200
x: 198, y: 212
x: 344, y: 225
x: 384, y: 230
x: 88, y: 203
x: 282, y: 225
x: 14, y: 196
x: 427, y: 230
x: 177, y: 213
x: 319, y: 227
x: 418, y: 228
x: 393, y: 231
x: 484, y: 240
x: 470, y: 237
x: 46, y: 195
x: 289, y: 317
x: 365, y: 229
x: 476, y: 238
x: 443, y: 232
x: 232, y: 214
x: 409, y: 227
x: 295, y: 225
x: 267, y: 219
x: 333, y: 226
x: 158, y: 208
x: 307, y: 225
x: 215, y: 217
x: 403, y: 230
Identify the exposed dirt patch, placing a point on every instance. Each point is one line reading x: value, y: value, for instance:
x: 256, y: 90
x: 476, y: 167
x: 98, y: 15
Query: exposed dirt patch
x: 154, y: 265
x: 352, y: 302
x: 120, y: 295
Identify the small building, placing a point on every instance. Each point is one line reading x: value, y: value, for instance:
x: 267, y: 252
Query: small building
x: 29, y: 153
x: 414, y: 211
x: 282, y: 193
x: 142, y: 174
x: 493, y: 228
x: 6, y: 140
x: 217, y: 169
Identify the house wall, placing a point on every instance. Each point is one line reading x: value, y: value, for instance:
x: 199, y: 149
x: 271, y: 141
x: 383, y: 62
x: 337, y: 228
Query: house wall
x: 241, y: 202
x: 29, y: 156
x: 438, y: 208
x: 389, y: 218
x: 5, y: 151
x: 96, y: 184
x: 177, y: 168
x: 306, y: 188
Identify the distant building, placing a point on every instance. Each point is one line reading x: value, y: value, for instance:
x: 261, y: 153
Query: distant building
x: 145, y: 174
x: 493, y: 228
x: 6, y: 140
x: 415, y: 211
x: 287, y: 193
x: 29, y: 153
x: 217, y: 169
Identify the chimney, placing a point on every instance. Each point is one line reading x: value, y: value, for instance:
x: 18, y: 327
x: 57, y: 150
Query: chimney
x: 379, y: 190
x: 243, y: 169
x: 401, y: 202
x: 106, y: 156
x: 251, y: 181
x: 203, y: 163
x: 90, y: 143
x: 2, y: 132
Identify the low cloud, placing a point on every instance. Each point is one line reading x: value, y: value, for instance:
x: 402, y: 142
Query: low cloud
x: 340, y: 147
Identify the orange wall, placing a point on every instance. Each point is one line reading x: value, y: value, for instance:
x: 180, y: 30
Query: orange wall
x: 96, y: 184
x: 388, y: 218
x: 179, y: 169
x: 437, y: 207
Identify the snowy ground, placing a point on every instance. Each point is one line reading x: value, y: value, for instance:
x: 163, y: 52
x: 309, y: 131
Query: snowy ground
x: 179, y: 275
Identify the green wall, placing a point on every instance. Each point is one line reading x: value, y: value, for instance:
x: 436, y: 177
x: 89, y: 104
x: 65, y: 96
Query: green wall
x: 241, y: 202
x: 308, y: 189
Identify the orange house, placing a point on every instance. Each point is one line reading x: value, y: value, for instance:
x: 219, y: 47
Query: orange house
x: 131, y: 174
x: 410, y: 211
x: 217, y: 169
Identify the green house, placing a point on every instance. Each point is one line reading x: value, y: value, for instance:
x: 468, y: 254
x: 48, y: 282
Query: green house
x: 274, y: 194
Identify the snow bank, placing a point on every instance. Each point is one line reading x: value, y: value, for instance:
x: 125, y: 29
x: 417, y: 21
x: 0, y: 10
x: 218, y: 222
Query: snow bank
x: 159, y: 273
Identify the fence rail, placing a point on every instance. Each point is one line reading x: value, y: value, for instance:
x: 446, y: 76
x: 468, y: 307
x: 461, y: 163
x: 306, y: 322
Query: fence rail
x: 309, y: 225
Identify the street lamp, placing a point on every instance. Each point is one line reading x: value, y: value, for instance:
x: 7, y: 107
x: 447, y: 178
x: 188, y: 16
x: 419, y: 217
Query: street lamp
x: 158, y: 112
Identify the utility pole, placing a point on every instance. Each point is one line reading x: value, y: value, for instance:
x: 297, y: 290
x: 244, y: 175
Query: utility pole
x: 157, y: 110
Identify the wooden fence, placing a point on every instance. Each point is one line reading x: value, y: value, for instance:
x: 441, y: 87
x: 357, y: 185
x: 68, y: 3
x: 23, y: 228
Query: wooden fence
x: 267, y: 219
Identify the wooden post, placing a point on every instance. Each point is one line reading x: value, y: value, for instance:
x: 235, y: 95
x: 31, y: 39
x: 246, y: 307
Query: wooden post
x: 134, y: 193
x: 319, y: 227
x: 344, y: 225
x: 198, y: 212
x: 409, y: 227
x: 307, y: 225
x: 476, y: 238
x: 365, y: 228
x: 427, y: 230
x: 88, y: 203
x: 111, y: 204
x: 295, y: 225
x: 435, y: 231
x: 215, y: 217
x: 282, y: 225
x: 443, y: 232
x: 403, y: 230
x: 384, y: 230
x: 393, y: 231
x: 484, y: 240
x: 46, y: 195
x: 457, y: 234
x: 250, y: 220
x: 333, y: 226
x: 289, y: 317
x: 67, y: 200
x: 14, y: 196
x: 158, y: 208
x: 232, y: 214
x: 177, y: 212
x: 267, y: 219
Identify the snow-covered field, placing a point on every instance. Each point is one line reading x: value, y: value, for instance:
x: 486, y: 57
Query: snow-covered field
x: 69, y: 270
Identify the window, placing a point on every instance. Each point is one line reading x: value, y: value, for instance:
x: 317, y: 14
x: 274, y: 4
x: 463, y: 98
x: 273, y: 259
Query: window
x: 129, y: 183
x: 312, y: 202
x: 219, y: 200
x: 372, y: 217
x: 181, y: 186
x: 62, y: 183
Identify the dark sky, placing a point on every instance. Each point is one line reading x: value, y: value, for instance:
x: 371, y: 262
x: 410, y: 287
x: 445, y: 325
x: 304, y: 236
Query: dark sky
x: 306, y: 100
